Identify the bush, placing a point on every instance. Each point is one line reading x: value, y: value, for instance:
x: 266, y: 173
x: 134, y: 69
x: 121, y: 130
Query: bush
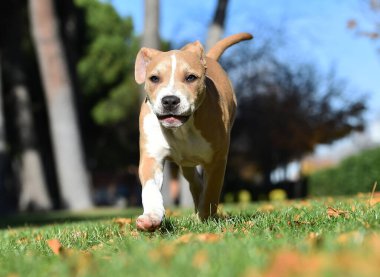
x: 354, y: 174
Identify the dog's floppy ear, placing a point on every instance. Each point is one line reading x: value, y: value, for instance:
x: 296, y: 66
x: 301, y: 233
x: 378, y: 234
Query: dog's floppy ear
x: 143, y: 58
x: 197, y: 48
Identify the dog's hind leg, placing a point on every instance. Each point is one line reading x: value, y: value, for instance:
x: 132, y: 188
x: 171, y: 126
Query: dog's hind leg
x: 209, y: 200
x: 195, y: 181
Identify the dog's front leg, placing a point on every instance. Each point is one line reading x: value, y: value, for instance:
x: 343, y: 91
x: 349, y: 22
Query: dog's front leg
x: 151, y: 177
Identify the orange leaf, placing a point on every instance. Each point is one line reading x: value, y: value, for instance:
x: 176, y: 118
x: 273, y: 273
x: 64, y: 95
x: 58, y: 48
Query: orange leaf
x: 332, y: 212
x: 354, y: 236
x: 200, y: 259
x: 208, y: 237
x: 163, y: 253
x: 375, y: 196
x: 122, y: 221
x: 267, y: 208
x: 185, y: 238
x: 374, y: 201
x: 55, y: 246
x: 205, y: 237
x: 291, y: 263
x: 169, y: 212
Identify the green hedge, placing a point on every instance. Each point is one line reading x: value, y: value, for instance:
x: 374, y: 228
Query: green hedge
x: 354, y: 174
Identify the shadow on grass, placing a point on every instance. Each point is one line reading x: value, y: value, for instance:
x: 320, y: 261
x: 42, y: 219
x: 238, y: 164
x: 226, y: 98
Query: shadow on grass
x: 60, y: 217
x: 171, y: 225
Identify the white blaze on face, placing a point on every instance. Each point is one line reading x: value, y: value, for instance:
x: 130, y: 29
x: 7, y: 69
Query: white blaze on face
x: 174, y: 65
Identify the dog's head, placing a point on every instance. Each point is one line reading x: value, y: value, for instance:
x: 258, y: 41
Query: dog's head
x: 174, y: 82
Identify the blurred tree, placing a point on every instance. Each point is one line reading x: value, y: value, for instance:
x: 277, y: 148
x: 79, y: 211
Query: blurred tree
x: 33, y: 191
x: 216, y: 28
x: 73, y: 179
x: 107, y: 66
x: 285, y: 110
x: 111, y: 95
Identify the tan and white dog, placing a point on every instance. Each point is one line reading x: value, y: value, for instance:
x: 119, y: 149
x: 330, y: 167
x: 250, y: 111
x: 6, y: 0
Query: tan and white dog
x: 186, y: 118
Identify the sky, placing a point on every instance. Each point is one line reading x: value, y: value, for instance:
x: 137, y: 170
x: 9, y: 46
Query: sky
x: 315, y: 31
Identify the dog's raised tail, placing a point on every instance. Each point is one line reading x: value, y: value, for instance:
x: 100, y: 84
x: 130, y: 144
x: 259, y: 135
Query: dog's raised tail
x: 218, y: 49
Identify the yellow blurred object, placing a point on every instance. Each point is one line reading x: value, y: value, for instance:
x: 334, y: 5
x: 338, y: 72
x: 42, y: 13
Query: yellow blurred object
x: 244, y: 196
x: 277, y: 195
x: 229, y: 197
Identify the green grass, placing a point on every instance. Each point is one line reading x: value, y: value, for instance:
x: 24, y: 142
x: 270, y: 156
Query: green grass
x: 283, y: 239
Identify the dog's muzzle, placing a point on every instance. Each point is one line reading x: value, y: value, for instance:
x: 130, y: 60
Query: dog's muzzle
x: 170, y: 116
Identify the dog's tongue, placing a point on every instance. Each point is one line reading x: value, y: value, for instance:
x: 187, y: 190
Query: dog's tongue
x: 171, y: 120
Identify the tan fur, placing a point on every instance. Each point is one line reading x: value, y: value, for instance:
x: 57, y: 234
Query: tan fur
x: 209, y: 104
x: 217, y: 50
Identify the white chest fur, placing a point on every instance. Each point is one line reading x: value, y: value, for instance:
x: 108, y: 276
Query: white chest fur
x: 184, y: 145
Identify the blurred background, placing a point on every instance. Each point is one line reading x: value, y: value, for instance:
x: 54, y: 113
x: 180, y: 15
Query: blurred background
x: 308, y: 88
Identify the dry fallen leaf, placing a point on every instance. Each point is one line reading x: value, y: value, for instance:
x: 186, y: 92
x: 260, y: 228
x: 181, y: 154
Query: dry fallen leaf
x: 122, y: 221
x: 13, y: 275
x: 23, y: 240
x: 171, y: 213
x: 373, y: 241
x: 332, y: 212
x: 205, y: 237
x: 249, y: 224
x: 186, y: 238
x: 200, y: 259
x: 355, y: 237
x: 38, y: 237
x: 164, y: 253
x: 375, y: 199
x: 314, y: 239
x: 208, y: 237
x: 55, y: 246
x: 292, y: 263
x: 267, y: 208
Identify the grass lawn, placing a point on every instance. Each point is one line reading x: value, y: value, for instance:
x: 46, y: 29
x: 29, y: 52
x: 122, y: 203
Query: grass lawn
x: 325, y: 237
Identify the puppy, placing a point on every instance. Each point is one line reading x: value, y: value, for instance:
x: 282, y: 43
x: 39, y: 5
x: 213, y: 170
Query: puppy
x: 186, y: 118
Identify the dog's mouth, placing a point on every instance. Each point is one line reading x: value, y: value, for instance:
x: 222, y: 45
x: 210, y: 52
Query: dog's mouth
x: 172, y: 121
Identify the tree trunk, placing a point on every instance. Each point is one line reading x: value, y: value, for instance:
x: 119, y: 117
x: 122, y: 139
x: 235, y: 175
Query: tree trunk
x: 2, y: 125
x: 216, y: 28
x: 33, y: 190
x: 3, y: 154
x: 67, y: 146
x: 151, y: 35
x: 33, y: 194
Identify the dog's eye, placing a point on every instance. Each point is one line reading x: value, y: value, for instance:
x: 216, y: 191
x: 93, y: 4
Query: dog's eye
x: 191, y: 78
x: 154, y: 79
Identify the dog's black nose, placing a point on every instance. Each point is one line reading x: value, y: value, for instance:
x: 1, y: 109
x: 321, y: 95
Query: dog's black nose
x: 170, y: 102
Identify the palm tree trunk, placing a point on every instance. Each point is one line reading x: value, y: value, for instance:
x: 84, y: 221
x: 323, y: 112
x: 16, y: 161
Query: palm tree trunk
x: 216, y: 28
x: 33, y: 194
x: 33, y: 190
x: 67, y: 145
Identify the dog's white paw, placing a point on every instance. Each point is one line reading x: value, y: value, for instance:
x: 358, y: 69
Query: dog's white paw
x: 148, y: 222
